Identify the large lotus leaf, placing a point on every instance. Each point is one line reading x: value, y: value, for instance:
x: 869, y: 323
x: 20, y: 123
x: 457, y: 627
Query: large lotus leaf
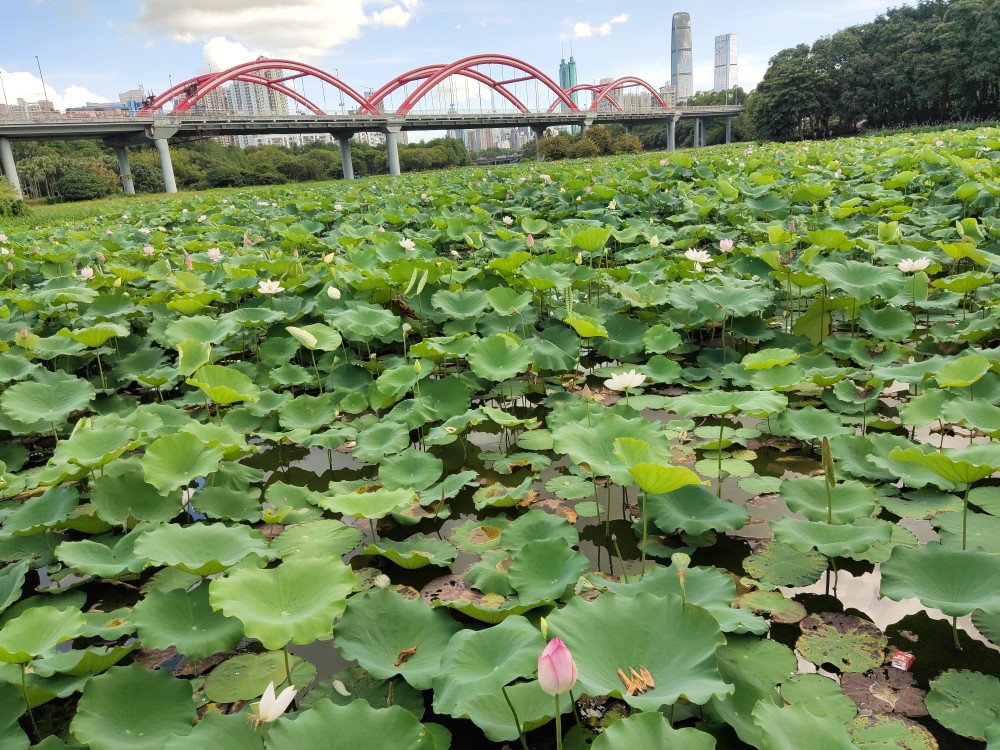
x: 954, y: 581
x: 51, y: 398
x: 775, y: 564
x: 323, y: 538
x: 361, y: 685
x: 695, y: 509
x: 227, y: 503
x: 651, y: 730
x: 848, y: 643
x: 305, y: 412
x: 962, y: 372
x: 356, y: 725
x: 185, y: 620
x: 12, y: 737
x: 375, y: 504
x: 537, y: 524
x: 542, y: 569
x: 889, y: 323
x: 962, y: 466
x: 389, y: 635
x: 107, y: 560
x: 128, y: 497
x: 363, y: 322
x: 497, y: 495
x: 499, y: 357
x: 37, y: 631
x: 131, y: 708
x: 863, y: 281
x: 42, y: 512
x: 93, y: 447
x: 821, y: 695
x: 175, y: 460
x: 880, y: 732
x: 200, y: 549
x: 594, y: 446
x: 218, y: 731
x: 988, y: 624
x: 468, y: 303
x: 676, y: 643
x: 831, y: 539
x: 786, y: 728
x: 295, y: 602
x: 199, y: 328
x: 808, y: 496
x: 414, y: 552
x: 11, y: 580
x: 246, y: 676
x: 755, y: 667
x: 483, y: 661
x: 411, y: 468
x: 710, y: 403
x: 968, y: 531
x: 490, y: 712
x: 224, y: 385
x: 383, y: 438
x: 810, y: 423
x: 967, y: 703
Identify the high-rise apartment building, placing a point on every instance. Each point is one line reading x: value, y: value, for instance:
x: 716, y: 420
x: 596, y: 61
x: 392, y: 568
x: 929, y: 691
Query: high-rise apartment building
x: 726, y: 67
x: 681, y: 60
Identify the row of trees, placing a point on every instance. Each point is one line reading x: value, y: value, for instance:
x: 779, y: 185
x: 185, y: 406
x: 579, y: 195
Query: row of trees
x: 929, y: 63
x: 595, y: 141
x: 84, y: 170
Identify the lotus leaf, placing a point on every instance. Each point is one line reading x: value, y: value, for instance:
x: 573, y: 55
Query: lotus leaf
x: 784, y: 728
x: 186, y: 621
x: 849, y: 499
x: 954, y: 581
x: 200, y: 549
x: 542, y: 569
x: 358, y: 725
x: 174, y: 461
x: 220, y: 732
x: 830, y: 539
x: 848, y: 643
x: 695, y: 509
x: 820, y: 695
x: 877, y: 732
x: 414, y: 552
x: 322, y: 538
x: 967, y: 703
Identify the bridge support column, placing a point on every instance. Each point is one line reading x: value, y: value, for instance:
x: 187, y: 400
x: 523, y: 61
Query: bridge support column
x: 729, y: 130
x: 128, y: 185
x: 392, y: 146
x: 166, y: 165
x: 704, y: 133
x: 9, y: 168
x: 587, y: 125
x: 697, y: 132
x: 346, y: 163
x: 539, y: 131
x: 672, y: 133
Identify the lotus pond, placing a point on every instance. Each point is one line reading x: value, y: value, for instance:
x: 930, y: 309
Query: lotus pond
x: 721, y: 421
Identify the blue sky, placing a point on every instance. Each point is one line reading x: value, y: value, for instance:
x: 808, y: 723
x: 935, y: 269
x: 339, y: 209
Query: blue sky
x: 90, y: 50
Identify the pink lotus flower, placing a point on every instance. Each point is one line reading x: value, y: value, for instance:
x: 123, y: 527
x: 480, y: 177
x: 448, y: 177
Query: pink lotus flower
x: 3, y: 237
x: 556, y: 668
x: 407, y: 244
x: 725, y: 246
x: 148, y: 250
x: 530, y: 240
x: 214, y: 253
x: 86, y: 273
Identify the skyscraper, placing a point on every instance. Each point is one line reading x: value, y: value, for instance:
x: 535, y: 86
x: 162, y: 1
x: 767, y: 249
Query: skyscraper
x: 681, y: 61
x: 726, y: 67
x: 567, y: 77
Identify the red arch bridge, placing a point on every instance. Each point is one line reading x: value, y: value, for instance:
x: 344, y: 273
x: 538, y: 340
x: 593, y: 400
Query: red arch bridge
x: 481, y: 91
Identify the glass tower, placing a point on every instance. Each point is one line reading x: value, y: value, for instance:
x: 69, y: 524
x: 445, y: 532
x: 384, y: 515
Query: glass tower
x: 681, y: 61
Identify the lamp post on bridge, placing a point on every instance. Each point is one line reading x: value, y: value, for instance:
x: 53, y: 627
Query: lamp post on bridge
x: 45, y: 91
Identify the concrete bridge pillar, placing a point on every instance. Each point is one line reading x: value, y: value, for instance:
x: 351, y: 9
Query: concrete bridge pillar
x: 128, y: 185
x: 346, y: 163
x: 729, y: 130
x: 698, y: 126
x: 9, y: 168
x: 539, y: 131
x: 672, y: 133
x: 166, y: 165
x: 588, y: 123
x: 704, y: 133
x: 392, y: 146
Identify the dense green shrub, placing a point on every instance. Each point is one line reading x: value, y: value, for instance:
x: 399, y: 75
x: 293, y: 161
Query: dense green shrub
x: 79, y: 184
x: 10, y: 204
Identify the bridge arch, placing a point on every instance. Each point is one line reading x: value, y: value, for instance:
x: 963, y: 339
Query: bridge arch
x: 620, y: 83
x: 592, y: 87
x: 427, y: 71
x: 468, y: 64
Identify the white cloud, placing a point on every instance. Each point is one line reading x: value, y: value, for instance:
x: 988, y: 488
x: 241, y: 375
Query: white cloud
x: 28, y: 86
x: 582, y: 29
x: 221, y: 53
x: 301, y: 29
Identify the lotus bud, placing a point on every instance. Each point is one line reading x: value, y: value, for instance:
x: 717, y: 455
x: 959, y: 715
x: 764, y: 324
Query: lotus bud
x: 579, y: 259
x: 270, y: 707
x: 725, y: 246
x: 341, y: 688
x: 544, y: 625
x: 530, y: 240
x: 188, y: 263
x: 654, y: 241
x: 556, y: 668
x: 118, y: 282
x: 417, y: 367
x: 332, y: 292
x: 329, y: 257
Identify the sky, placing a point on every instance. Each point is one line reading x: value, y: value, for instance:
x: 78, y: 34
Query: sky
x: 90, y: 50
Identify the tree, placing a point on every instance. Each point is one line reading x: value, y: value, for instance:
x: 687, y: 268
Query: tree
x: 600, y: 137
x: 554, y: 147
x: 627, y: 143
x: 78, y: 184
x: 785, y: 97
x: 584, y: 148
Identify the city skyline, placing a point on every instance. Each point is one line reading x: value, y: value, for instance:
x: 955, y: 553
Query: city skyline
x: 90, y: 52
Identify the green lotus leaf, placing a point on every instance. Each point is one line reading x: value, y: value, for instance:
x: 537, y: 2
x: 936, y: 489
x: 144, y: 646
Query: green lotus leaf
x: 50, y: 399
x: 962, y: 466
x: 220, y: 732
x: 191, y: 355
x: 967, y: 703
x: 375, y: 504
x: 499, y: 357
x: 810, y: 423
x: 468, y: 303
x: 361, y: 685
x: 323, y: 538
x: 988, y: 624
x: 808, y: 496
x: 507, y: 301
x: 819, y: 694
x: 785, y: 728
x: 389, y: 635
x: 227, y: 504
x: 962, y: 372
x: 765, y: 359
x: 848, y: 643
x: 186, y: 621
x: 11, y: 709
x: 963, y: 283
x: 830, y: 539
x: 411, y: 468
x: 95, y: 447
x: 324, y: 338
x: 107, y: 560
x: 649, y: 730
x: 131, y: 708
x: 414, y: 552
x: 12, y: 578
x: 951, y: 580
x: 174, y: 461
x: 537, y: 524
x: 968, y: 531
x: 305, y: 412
x: 878, y: 731
x: 925, y: 408
x: 358, y: 725
x: 490, y: 712
x: 498, y: 495
x: 613, y: 633
x: 863, y: 281
x: 592, y: 239
x: 293, y: 603
x: 363, y: 322
x: 695, y: 509
x: 586, y: 326
x: 37, y: 631
x: 542, y: 569
x: 478, y: 536
x: 384, y: 438
x: 246, y: 676
x: 775, y: 564
x: 43, y: 512
x: 224, y: 385
x: 710, y: 403
x: 889, y: 323
x: 200, y: 549
x: 594, y: 447
x: 774, y: 604
x: 476, y: 662
x: 127, y: 496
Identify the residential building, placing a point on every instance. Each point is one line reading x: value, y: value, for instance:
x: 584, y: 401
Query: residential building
x: 681, y: 59
x: 726, y: 65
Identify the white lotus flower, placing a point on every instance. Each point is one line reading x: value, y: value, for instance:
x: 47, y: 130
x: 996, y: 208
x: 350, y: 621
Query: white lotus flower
x: 270, y: 707
x: 148, y: 250
x: 270, y: 286
x: 86, y: 273
x: 508, y: 220
x: 698, y: 256
x: 303, y: 337
x: 332, y: 292
x: 407, y: 244
x: 654, y: 241
x: 911, y: 266
x: 625, y: 381
x: 214, y: 253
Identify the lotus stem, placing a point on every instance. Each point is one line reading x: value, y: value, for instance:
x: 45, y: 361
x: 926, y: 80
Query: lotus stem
x: 100, y: 369
x: 722, y: 428
x: 954, y: 632
x: 965, y: 514
x: 288, y: 665
x: 558, y: 726
x: 645, y: 530
x: 576, y: 714
x: 614, y: 541
x: 517, y: 721
x: 27, y: 703
x: 319, y: 380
